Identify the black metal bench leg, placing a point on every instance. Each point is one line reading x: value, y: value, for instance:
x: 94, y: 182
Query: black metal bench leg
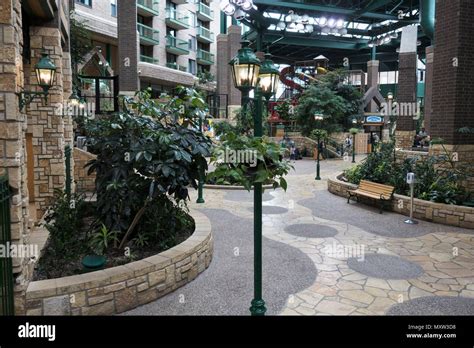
x: 382, y: 203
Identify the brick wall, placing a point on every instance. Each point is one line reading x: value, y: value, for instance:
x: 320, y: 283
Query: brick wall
x: 128, y: 46
x: 429, y: 88
x: 453, y: 73
x: 407, y: 88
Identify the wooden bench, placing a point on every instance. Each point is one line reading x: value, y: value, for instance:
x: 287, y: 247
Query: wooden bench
x: 380, y: 192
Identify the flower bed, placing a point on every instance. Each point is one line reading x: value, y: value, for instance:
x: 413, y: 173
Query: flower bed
x: 446, y: 214
x: 118, y: 289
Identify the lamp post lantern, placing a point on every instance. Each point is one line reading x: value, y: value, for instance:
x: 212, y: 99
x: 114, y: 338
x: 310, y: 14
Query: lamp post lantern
x: 45, y: 71
x: 248, y: 74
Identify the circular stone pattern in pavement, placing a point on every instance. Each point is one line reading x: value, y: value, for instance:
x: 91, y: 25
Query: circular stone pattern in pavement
x: 434, y: 305
x: 245, y: 196
x: 385, y: 267
x: 311, y: 231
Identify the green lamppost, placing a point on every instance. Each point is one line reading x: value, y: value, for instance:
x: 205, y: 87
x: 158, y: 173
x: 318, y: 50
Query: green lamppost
x: 200, y: 199
x: 353, y: 131
x: 247, y: 76
x: 317, y: 134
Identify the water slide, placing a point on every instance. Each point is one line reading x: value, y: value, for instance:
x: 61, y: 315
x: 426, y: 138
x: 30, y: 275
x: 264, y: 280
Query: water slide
x: 288, y: 73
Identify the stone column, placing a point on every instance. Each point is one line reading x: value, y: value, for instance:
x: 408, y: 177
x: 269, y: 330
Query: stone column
x: 222, y: 62
x: 12, y: 136
x: 452, y: 79
x: 234, y: 44
x: 373, y: 80
x: 44, y: 122
x: 407, y: 89
x: 428, y: 88
x: 127, y: 47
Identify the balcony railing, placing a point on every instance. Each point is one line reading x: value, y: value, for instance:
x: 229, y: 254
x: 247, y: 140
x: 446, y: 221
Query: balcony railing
x: 205, y: 57
x: 176, y: 66
x: 176, y: 19
x: 177, y: 46
x: 148, y: 34
x: 148, y: 6
x: 205, y: 34
x: 205, y: 12
x: 148, y: 59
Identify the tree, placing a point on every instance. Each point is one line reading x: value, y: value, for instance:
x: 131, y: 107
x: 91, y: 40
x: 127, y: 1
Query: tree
x: 330, y: 96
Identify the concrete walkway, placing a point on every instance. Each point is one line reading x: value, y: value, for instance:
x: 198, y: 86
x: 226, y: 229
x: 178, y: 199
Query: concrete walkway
x: 325, y: 257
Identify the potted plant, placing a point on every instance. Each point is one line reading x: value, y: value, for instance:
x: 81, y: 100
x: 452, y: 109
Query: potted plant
x: 243, y: 161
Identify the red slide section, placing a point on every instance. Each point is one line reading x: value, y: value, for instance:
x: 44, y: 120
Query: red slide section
x: 286, y: 81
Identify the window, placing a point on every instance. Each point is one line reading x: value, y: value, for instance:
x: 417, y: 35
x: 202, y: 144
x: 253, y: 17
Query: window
x: 171, y: 58
x: 113, y: 8
x: 192, y: 43
x: 192, y: 67
x: 85, y: 2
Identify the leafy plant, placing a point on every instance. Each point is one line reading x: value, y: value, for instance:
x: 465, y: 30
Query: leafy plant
x: 148, y: 154
x: 285, y: 110
x: 102, y: 239
x: 205, y: 77
x: 268, y: 165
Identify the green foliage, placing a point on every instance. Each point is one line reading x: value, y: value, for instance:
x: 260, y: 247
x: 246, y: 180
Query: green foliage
x: 285, y: 110
x: 224, y: 127
x: 205, y: 77
x: 81, y: 43
x: 269, y: 167
x: 320, y: 134
x: 148, y: 154
x: 436, y: 179
x: 63, y: 221
x: 330, y: 96
x: 102, y: 239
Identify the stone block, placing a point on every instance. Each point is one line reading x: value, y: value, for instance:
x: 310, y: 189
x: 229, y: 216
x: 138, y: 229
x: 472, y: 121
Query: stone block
x: 59, y: 305
x: 125, y: 299
x: 100, y: 299
x: 105, y: 308
x: 157, y: 277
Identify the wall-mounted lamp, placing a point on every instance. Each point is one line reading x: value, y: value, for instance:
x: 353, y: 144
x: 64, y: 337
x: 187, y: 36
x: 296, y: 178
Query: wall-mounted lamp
x: 45, y: 72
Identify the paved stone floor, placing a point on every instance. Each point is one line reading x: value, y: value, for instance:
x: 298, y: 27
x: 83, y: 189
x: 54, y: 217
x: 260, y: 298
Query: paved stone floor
x: 323, y: 256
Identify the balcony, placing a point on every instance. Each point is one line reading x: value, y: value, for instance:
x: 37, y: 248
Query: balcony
x: 176, y: 46
x: 176, y: 20
x: 147, y: 8
x: 180, y: 2
x: 205, y: 57
x: 147, y: 59
x: 205, y: 35
x: 148, y: 35
x: 204, y: 12
x: 176, y: 66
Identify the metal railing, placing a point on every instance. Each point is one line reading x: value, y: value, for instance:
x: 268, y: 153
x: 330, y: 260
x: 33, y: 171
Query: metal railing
x: 177, y: 16
x: 149, y: 33
x: 147, y: 59
x: 205, y: 10
x: 205, y: 55
x: 176, y: 66
x: 150, y: 5
x: 6, y: 269
x: 205, y: 33
x: 174, y: 42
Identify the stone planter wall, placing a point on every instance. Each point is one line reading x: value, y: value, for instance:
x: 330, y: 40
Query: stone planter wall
x: 116, y: 290
x: 445, y: 214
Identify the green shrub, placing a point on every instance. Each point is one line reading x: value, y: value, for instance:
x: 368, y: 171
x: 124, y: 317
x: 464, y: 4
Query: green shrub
x: 147, y: 157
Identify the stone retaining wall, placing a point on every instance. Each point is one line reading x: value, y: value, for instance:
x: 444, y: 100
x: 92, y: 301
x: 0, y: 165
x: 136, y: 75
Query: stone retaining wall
x: 445, y: 214
x: 84, y: 182
x: 119, y: 289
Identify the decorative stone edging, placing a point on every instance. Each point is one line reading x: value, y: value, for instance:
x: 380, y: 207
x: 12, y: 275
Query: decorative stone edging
x: 452, y: 215
x: 119, y: 289
x: 231, y: 187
